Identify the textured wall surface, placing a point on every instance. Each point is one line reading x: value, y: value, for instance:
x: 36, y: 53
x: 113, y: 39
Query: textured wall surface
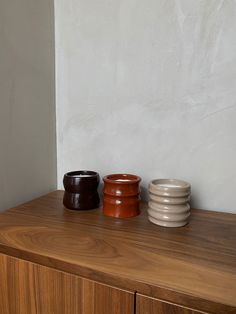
x: 149, y: 87
x: 27, y: 101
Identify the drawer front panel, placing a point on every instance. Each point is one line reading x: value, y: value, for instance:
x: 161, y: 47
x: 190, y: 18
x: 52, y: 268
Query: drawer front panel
x: 146, y: 305
x: 27, y: 288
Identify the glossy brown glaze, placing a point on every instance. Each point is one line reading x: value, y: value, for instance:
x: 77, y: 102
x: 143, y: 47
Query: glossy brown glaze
x: 193, y: 266
x: 121, y: 195
x: 81, y: 190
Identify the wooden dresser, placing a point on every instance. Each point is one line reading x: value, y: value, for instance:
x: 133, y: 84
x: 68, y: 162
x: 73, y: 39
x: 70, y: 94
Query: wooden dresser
x: 56, y: 261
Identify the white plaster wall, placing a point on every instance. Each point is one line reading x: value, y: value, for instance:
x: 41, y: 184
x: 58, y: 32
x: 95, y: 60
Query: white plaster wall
x: 27, y: 101
x: 149, y: 87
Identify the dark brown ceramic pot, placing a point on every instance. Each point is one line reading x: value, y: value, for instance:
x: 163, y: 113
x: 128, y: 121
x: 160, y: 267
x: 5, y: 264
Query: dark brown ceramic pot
x: 81, y: 190
x: 121, y: 195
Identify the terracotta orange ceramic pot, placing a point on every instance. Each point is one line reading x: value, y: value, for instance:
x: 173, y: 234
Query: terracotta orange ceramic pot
x: 121, y: 195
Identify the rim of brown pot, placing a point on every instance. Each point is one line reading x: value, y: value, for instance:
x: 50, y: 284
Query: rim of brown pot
x: 82, y: 174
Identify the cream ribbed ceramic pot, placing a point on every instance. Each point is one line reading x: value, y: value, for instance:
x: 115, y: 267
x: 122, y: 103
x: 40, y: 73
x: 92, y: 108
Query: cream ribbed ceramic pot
x: 169, y: 202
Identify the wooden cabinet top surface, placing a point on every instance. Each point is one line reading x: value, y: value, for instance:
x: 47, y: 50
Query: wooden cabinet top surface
x: 195, y: 262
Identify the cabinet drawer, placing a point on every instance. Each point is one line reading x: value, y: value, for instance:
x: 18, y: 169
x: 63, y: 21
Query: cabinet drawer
x: 28, y: 288
x: 147, y: 305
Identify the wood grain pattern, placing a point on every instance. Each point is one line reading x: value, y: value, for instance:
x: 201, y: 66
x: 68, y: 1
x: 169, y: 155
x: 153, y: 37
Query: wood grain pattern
x: 28, y: 288
x: 193, y: 266
x: 146, y: 305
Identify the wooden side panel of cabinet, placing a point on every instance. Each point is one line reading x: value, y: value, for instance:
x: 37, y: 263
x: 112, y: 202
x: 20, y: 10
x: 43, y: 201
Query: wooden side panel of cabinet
x: 27, y: 288
x: 147, y: 305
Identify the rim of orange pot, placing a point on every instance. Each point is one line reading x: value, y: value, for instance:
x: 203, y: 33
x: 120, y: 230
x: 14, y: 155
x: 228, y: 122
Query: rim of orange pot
x: 121, y: 178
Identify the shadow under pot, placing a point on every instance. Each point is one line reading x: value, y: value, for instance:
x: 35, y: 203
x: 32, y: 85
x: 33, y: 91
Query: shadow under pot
x: 121, y: 195
x: 81, y: 190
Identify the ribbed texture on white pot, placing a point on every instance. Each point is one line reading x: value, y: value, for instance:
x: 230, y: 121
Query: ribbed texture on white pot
x: 169, y: 202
